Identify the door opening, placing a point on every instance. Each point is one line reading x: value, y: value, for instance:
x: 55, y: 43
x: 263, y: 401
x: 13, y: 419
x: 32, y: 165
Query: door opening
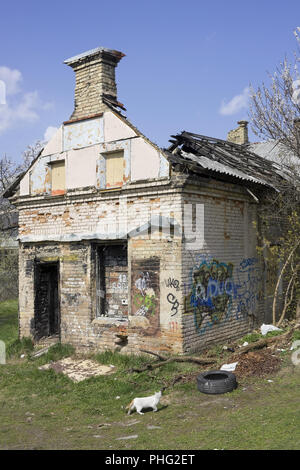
x: 47, y: 315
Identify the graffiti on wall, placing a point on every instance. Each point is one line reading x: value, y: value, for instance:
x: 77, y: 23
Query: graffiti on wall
x: 145, y: 291
x: 219, y: 291
x: 121, y: 285
x: 172, y: 283
x: 172, y: 286
x: 144, y: 299
x: 174, y: 303
x: 249, y: 287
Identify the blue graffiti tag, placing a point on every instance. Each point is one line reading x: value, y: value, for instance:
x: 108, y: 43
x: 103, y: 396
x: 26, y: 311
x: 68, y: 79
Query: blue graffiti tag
x: 216, y: 294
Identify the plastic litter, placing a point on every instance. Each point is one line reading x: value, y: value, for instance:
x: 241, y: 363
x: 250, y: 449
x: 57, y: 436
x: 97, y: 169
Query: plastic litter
x: 266, y: 328
x: 229, y: 367
x: 295, y: 345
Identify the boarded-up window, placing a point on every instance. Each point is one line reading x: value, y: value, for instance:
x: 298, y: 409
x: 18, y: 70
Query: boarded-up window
x: 114, y: 169
x: 58, y: 178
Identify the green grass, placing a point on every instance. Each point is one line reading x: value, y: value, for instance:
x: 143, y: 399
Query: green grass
x: 9, y: 321
x: 55, y: 353
x: 45, y: 410
x: 270, y: 334
x: 251, y: 337
x: 19, y: 346
x: 296, y: 335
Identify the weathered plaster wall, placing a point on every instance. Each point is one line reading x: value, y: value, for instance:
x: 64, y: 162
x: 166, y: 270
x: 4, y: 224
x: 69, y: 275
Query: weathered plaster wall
x: 83, y: 133
x: 81, y: 167
x: 55, y: 144
x: 144, y: 161
x: 116, y: 129
x: 84, y: 146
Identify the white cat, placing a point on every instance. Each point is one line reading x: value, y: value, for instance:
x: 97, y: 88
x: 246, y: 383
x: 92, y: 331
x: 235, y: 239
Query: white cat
x: 146, y: 402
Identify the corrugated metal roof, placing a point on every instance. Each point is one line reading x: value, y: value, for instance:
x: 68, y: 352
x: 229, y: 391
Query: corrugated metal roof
x: 276, y: 151
x: 227, y: 158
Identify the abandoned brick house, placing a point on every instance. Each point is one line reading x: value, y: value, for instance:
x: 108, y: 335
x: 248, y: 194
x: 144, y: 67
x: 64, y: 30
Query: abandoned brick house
x: 126, y: 246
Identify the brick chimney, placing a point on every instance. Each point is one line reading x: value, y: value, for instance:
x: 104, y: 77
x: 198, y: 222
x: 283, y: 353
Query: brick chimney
x: 240, y: 134
x: 95, y: 81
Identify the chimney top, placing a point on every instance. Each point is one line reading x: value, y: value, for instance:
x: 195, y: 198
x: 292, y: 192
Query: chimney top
x: 94, y: 52
x: 95, y: 87
x: 243, y: 123
x: 240, y: 134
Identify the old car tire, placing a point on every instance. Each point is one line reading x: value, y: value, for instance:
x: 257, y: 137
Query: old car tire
x: 216, y: 381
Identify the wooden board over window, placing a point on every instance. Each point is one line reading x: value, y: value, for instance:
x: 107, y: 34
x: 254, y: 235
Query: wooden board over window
x: 114, y: 169
x: 58, y: 178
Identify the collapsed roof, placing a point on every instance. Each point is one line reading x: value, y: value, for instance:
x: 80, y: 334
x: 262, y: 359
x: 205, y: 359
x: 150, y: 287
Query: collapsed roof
x: 208, y: 155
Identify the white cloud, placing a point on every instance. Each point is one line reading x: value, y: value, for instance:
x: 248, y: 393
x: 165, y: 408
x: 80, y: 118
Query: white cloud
x: 23, y: 111
x: 49, y: 132
x: 18, y: 106
x: 236, y: 104
x: 11, y: 78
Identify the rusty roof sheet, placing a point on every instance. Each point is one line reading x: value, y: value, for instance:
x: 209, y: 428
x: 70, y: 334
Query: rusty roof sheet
x: 218, y: 156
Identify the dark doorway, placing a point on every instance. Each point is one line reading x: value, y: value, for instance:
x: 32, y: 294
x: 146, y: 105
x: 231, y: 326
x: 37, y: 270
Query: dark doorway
x: 47, y: 317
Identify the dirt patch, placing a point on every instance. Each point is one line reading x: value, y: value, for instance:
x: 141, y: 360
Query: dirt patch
x: 78, y: 369
x: 258, y: 363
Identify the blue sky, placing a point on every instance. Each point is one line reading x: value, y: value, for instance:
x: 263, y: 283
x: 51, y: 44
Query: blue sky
x: 184, y: 59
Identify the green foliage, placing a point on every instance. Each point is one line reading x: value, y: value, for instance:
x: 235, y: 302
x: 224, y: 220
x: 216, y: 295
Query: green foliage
x: 20, y: 346
x: 217, y: 350
x: 280, y: 249
x: 9, y: 321
x: 55, y: 353
x: 251, y: 337
x: 296, y: 335
x: 9, y: 273
x: 124, y: 361
x: 273, y: 333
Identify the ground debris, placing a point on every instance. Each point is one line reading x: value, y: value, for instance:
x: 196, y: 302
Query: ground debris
x: 258, y: 363
x: 78, y: 369
x: 162, y: 360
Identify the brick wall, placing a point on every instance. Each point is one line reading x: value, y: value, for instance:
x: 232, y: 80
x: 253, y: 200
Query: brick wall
x: 181, y: 299
x: 151, y: 253
x: 223, y: 278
